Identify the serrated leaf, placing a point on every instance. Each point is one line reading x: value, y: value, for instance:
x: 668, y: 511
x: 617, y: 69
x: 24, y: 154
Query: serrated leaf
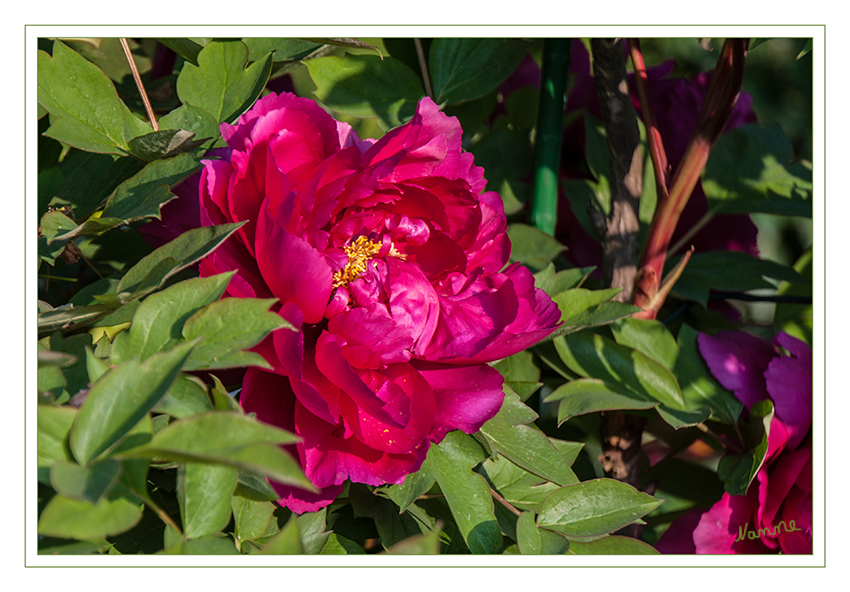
x: 466, y: 492
x: 220, y: 83
x: 367, y: 86
x: 524, y: 445
x: 228, y: 326
x: 121, y: 398
x: 594, y: 508
x: 464, y: 69
x: 203, y: 492
x: 594, y: 356
x: 151, y: 272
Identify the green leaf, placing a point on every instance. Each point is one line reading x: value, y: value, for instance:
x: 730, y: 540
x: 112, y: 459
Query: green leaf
x: 220, y: 83
x: 532, y: 246
x: 287, y: 541
x: 222, y: 400
x: 284, y: 50
x: 187, y: 396
x: 594, y: 508
x: 203, y: 492
x: 729, y: 271
x: 54, y: 425
x: 612, y: 545
x: 254, y: 487
x: 532, y: 540
x: 185, y: 48
x: 253, y: 519
x: 193, y: 119
x: 737, y: 471
x: 522, y: 489
x: 164, y: 143
x: 250, y: 445
x: 749, y: 170
x: 366, y: 86
x: 525, y: 445
x: 553, y: 282
x: 466, y: 492
x: 121, y: 398
x: 594, y: 356
x: 227, y: 326
x: 589, y: 395
x: 158, y: 322
x: 90, y: 114
x: 84, y: 483
x: 90, y: 179
x: 311, y: 526
x: 463, y: 69
x: 95, y: 366
x: 648, y: 336
x: 393, y: 526
x: 74, y: 519
x: 190, y: 247
x: 421, y: 544
x: 62, y: 318
x: 339, y: 545
x: 407, y: 492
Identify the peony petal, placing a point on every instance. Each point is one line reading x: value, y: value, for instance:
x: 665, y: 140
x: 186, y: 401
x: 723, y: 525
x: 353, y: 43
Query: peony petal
x: 330, y: 458
x: 466, y: 396
x: 796, y: 535
x: 372, y: 337
x: 678, y: 539
x: 728, y: 520
x: 789, y: 383
x: 293, y: 270
x: 783, y: 476
x: 738, y: 361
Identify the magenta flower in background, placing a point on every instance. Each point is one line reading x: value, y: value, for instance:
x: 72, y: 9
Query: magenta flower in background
x: 390, y: 262
x: 755, y: 370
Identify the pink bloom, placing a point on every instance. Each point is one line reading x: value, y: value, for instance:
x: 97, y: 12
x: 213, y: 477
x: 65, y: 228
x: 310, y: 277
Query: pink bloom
x: 776, y: 513
x: 391, y: 263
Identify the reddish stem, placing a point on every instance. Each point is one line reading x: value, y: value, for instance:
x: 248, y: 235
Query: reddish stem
x: 656, y: 145
x: 713, y: 116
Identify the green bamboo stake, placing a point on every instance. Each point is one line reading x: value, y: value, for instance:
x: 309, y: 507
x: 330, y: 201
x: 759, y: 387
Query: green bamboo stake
x: 550, y: 124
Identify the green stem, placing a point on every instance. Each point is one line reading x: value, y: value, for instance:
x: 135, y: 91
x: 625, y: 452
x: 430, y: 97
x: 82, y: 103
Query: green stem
x: 550, y: 124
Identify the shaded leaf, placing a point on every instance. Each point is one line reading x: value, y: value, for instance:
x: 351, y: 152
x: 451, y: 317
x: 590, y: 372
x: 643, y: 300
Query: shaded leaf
x: 737, y: 471
x: 75, y: 519
x: 164, y: 143
x: 366, y: 86
x: 287, y: 541
x: 590, y: 395
x: 463, y: 69
x: 532, y: 246
x: 423, y: 544
x: 532, y: 540
x: 84, y: 483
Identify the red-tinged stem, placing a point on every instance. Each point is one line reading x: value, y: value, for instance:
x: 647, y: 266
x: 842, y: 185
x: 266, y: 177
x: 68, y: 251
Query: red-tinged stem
x: 714, y: 114
x: 656, y: 145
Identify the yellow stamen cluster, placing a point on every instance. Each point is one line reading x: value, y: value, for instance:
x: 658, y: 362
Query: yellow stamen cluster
x: 359, y: 253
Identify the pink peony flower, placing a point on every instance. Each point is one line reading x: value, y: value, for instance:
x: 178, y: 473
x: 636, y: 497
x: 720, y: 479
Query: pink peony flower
x: 390, y: 261
x: 776, y: 513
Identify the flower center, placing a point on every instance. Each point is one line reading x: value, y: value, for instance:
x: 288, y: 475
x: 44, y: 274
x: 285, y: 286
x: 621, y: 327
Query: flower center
x: 359, y: 253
